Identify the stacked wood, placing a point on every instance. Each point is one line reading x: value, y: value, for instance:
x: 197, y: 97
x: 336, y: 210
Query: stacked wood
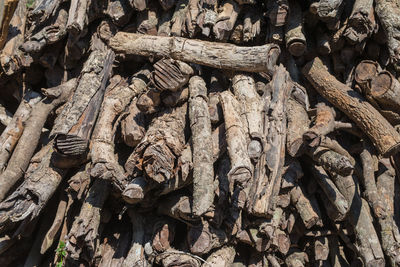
x: 199, y: 133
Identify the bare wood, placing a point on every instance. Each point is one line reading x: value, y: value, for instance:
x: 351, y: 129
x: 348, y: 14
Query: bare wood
x: 83, y: 236
x: 11, y: 134
x: 295, y: 39
x: 203, y: 238
x: 74, y: 125
x: 133, y: 125
x: 49, y: 34
x: 7, y: 10
x: 389, y: 230
x: 297, y: 124
x: 41, y: 181
x: 266, y: 184
x: 11, y: 58
x: 361, y: 23
x: 222, y: 257
x: 170, y: 74
x: 278, y: 12
x: 329, y: 11
x: 5, y: 116
x: 178, y: 18
x: 385, y: 89
x: 389, y: 16
x: 200, y: 125
x: 382, y: 134
x: 44, y: 9
x: 200, y: 52
x: 365, y: 71
x: 331, y: 191
x: 29, y: 139
x: 304, y: 207
x: 135, y: 255
x: 163, y: 142
x: 360, y: 218
x: 226, y: 19
x: 116, y: 100
x: 241, y: 168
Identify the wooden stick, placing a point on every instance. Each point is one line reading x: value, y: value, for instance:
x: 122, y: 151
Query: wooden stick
x: 200, y: 125
x: 7, y: 8
x: 361, y: 23
x: 385, y: 89
x: 226, y: 19
x: 294, y: 34
x: 199, y: 52
x: 382, y: 134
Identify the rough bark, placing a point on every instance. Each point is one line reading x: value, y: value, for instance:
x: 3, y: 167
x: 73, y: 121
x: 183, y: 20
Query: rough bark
x: 295, y: 39
x: 361, y: 23
x: 226, y: 20
x: 29, y: 139
x: 389, y: 16
x: 200, y: 125
x: 135, y: 255
x: 11, y: 134
x: 133, y: 125
x: 385, y: 90
x: 217, y: 55
x: 268, y: 179
x: 73, y: 127
x: 377, y: 128
x: 7, y: 11
x: 297, y: 124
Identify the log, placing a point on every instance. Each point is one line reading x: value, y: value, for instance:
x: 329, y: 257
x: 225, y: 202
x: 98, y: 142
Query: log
x: 7, y: 10
x: 267, y: 182
x: 216, y: 55
x: 376, y: 127
x: 388, y: 14
x: 385, y: 90
x: 226, y: 20
x: 200, y: 125
x: 295, y: 39
x: 12, y: 133
x: 29, y: 139
x: 361, y: 23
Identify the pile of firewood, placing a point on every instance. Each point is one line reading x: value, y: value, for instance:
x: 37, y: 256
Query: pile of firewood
x: 199, y: 133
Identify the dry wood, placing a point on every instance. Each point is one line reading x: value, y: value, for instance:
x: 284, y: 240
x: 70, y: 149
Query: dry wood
x: 376, y: 127
x: 388, y: 13
x: 49, y: 34
x: 328, y: 11
x: 217, y: 55
x: 163, y: 143
x: 11, y: 134
x: 241, y: 168
x: 278, y: 12
x: 172, y: 257
x: 170, y: 74
x: 295, y: 39
x: 83, y: 236
x: 7, y: 10
x: 203, y: 238
x: 177, y: 98
x: 29, y: 139
x: 226, y: 19
x: 135, y: 256
x: 304, y: 207
x: 133, y: 125
x: 120, y: 11
x: 200, y: 125
x: 361, y: 23
x: 360, y: 218
x: 178, y: 18
x: 25, y: 204
x: 74, y: 125
x: 268, y: 179
x: 385, y: 90
x: 297, y: 125
x: 11, y: 58
x: 332, y: 193
x: 222, y: 257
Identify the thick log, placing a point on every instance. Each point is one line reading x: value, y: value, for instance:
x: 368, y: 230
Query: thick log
x: 308, y: 212
x: 29, y: 139
x: 216, y: 55
x: 170, y: 74
x: 297, y: 125
x: 222, y: 257
x: 74, y: 125
x: 116, y: 100
x: 200, y: 125
x: 178, y: 18
x: 135, y: 255
x: 203, y: 238
x: 328, y: 11
x: 133, y: 125
x: 83, y: 236
x: 376, y: 127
